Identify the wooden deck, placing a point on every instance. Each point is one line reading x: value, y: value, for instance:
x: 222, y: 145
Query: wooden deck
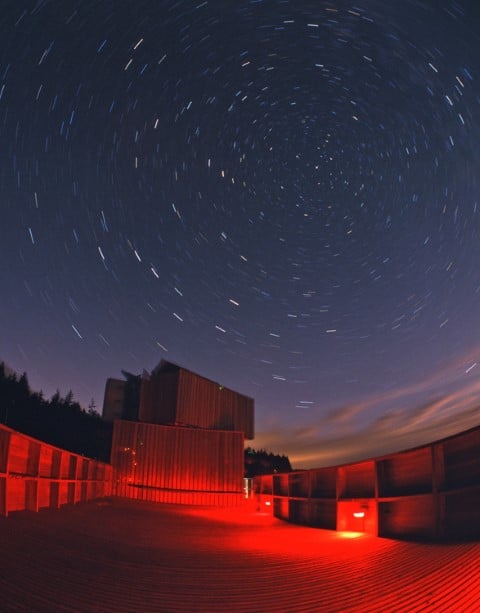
x: 123, y: 555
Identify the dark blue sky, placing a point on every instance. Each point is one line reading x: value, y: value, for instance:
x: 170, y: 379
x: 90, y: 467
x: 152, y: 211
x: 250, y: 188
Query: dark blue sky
x: 282, y: 196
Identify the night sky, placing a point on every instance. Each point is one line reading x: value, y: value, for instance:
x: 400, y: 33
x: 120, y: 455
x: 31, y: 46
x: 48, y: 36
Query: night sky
x: 280, y: 195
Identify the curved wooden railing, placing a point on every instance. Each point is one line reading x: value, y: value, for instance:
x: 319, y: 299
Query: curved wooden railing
x: 36, y: 475
x: 429, y: 492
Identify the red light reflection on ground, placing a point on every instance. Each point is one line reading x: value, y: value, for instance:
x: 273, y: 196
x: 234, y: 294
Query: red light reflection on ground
x: 267, y: 535
x: 350, y: 535
x: 132, y: 556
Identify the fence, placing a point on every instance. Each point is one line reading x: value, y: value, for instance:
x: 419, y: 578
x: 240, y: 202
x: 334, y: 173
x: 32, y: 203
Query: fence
x: 35, y: 475
x: 430, y: 492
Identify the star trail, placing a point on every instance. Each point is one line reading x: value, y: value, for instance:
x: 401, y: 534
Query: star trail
x: 279, y: 195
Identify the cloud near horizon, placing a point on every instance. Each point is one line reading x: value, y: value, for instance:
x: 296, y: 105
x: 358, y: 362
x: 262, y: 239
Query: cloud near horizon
x: 435, y: 407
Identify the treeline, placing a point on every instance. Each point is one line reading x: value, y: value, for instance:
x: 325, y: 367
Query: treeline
x: 262, y: 462
x: 59, y: 421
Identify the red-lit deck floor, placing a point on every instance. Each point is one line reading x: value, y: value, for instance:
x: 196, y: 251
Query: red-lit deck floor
x: 131, y: 556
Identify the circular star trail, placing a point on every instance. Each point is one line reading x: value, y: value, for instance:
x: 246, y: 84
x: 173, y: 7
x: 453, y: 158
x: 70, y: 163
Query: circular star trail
x: 279, y: 195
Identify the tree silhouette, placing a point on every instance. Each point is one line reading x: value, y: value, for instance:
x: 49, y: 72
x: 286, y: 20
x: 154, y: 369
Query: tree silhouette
x: 262, y: 462
x: 59, y: 421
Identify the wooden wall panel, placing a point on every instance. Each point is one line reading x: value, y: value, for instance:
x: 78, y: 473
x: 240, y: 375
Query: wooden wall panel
x: 155, y: 462
x: 323, y: 514
x: 406, y: 473
x: 175, y: 396
x: 18, y: 461
x: 4, y: 447
x: 281, y: 508
x: 299, y: 512
x: 64, y: 466
x: 207, y: 404
x: 462, y: 460
x: 177, y: 497
x: 3, y: 496
x: 43, y: 494
x: 16, y: 495
x: 280, y: 485
x: 71, y: 493
x: 324, y: 483
x: 73, y: 461
x: 408, y: 517
x: 82, y: 467
x: 299, y: 484
x: 462, y: 514
x: 46, y: 460
x: 158, y: 398
x: 54, y: 495
x: 56, y: 463
x: 357, y: 480
x: 37, y: 475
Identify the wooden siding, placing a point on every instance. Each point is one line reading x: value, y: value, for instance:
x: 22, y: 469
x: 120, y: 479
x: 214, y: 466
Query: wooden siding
x: 323, y: 514
x: 280, y: 484
x: 462, y: 514
x: 35, y: 475
x: 175, y: 464
x: 207, y: 404
x: 172, y: 395
x: 406, y: 473
x: 462, y: 460
x: 324, y: 483
x: 430, y: 492
x: 312, y: 513
x: 408, y: 517
x: 357, y: 480
x: 114, y: 398
x: 158, y: 398
x: 299, y: 485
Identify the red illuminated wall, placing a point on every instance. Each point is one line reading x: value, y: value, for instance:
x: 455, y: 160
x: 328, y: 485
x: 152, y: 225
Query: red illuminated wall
x: 430, y: 492
x: 176, y: 464
x: 35, y: 475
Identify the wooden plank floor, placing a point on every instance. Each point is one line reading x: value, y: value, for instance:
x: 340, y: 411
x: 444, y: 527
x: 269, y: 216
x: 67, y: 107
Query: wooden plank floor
x: 121, y: 555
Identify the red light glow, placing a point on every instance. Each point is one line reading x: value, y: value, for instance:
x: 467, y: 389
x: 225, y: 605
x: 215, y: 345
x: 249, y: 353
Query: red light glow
x: 350, y: 535
x: 359, y: 514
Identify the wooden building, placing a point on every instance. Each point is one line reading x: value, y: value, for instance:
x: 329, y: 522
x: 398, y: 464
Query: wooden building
x: 178, y: 437
x: 176, y: 396
x: 172, y: 395
x: 177, y: 464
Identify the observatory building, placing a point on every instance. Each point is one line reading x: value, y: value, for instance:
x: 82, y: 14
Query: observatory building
x: 177, y: 437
